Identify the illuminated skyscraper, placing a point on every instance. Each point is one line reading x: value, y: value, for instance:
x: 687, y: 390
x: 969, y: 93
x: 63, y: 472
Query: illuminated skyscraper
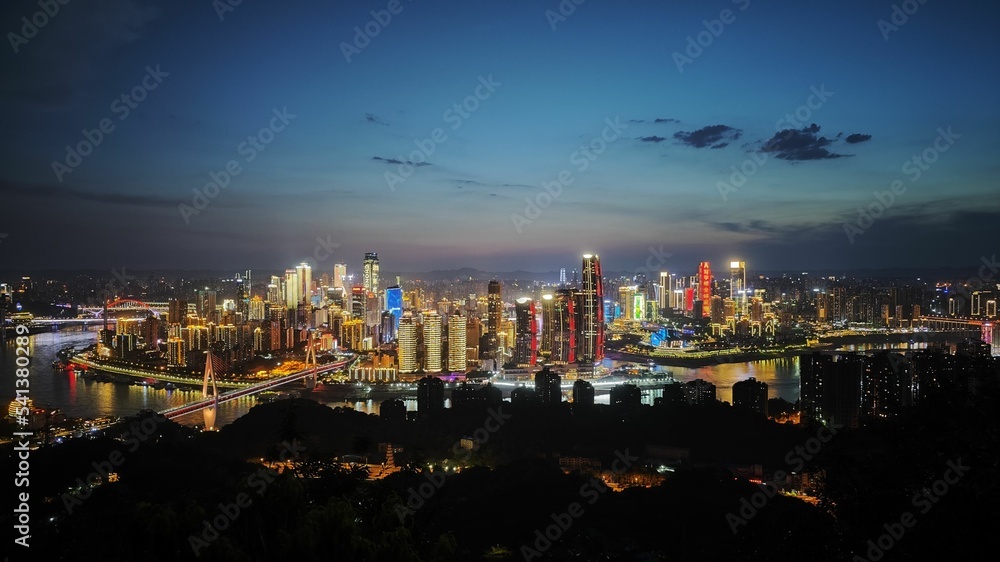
x: 664, y: 291
x: 525, y: 338
x: 432, y: 341
x: 371, y: 272
x: 705, y: 286
x: 339, y: 273
x: 456, y: 343
x: 394, y: 304
x: 548, y: 311
x: 562, y: 276
x: 407, y: 336
x: 304, y: 273
x: 206, y: 305
x: 564, y: 330
x: 494, y: 313
x: 591, y: 313
x: 292, y: 297
x: 738, y: 285
x: 626, y: 296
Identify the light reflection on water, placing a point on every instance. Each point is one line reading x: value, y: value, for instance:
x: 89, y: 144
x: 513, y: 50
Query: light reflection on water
x: 81, y: 398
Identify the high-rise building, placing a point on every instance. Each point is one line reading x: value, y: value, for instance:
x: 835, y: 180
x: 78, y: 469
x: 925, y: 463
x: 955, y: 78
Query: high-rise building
x: 583, y: 394
x: 339, y: 274
x: 526, y: 333
x: 548, y: 311
x: 432, y: 341
x: 394, y: 304
x: 456, y: 343
x: 371, y: 272
x: 705, y: 285
x: 830, y: 388
x: 626, y: 296
x: 664, y: 292
x: 738, y: 285
x: 177, y: 311
x: 751, y: 394
x: 304, y: 273
x: 699, y: 392
x: 430, y: 397
x: 291, y: 290
x: 591, y: 326
x: 548, y: 386
x: 206, y: 305
x: 564, y: 328
x: 407, y: 336
x: 494, y: 314
x: 256, y: 309
x: 562, y: 276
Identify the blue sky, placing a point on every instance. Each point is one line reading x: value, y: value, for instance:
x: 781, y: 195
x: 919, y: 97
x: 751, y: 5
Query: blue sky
x: 656, y: 185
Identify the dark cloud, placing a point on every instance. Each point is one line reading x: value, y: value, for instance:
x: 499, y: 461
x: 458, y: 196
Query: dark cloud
x: 711, y: 135
x: 857, y: 137
x: 665, y: 120
x: 394, y: 161
x: 477, y: 184
x: 375, y: 119
x: 652, y: 139
x: 52, y: 192
x: 50, y: 72
x: 800, y: 144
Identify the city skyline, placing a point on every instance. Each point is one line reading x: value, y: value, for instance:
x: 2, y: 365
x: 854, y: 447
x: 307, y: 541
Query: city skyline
x: 676, y: 94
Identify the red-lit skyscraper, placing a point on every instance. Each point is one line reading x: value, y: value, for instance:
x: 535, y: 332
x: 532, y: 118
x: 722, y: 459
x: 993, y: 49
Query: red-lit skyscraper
x: 705, y: 286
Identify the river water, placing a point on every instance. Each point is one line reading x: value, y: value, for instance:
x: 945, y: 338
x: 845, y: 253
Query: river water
x: 80, y: 398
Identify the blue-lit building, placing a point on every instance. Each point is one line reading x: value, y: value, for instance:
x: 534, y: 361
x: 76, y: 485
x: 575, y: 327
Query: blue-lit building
x: 394, y: 304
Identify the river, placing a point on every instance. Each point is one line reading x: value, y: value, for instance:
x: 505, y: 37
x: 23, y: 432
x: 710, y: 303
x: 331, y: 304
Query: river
x: 80, y: 398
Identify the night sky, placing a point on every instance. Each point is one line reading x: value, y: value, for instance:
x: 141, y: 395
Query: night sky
x: 880, y: 96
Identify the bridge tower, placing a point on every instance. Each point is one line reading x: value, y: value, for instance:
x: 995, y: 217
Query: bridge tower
x: 209, y: 412
x: 310, y: 380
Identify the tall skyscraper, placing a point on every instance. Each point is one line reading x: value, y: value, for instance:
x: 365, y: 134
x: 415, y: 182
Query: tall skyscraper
x: 494, y: 313
x: 562, y: 276
x: 705, y: 286
x: 564, y: 327
x: 304, y: 273
x: 548, y: 311
x: 456, y: 343
x: 291, y: 288
x: 394, y: 303
x: 432, y: 341
x: 664, y: 291
x: 430, y: 397
x: 591, y: 313
x: 407, y: 336
x: 525, y: 333
x: 206, y: 305
x: 371, y: 272
x: 339, y: 274
x: 738, y: 285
